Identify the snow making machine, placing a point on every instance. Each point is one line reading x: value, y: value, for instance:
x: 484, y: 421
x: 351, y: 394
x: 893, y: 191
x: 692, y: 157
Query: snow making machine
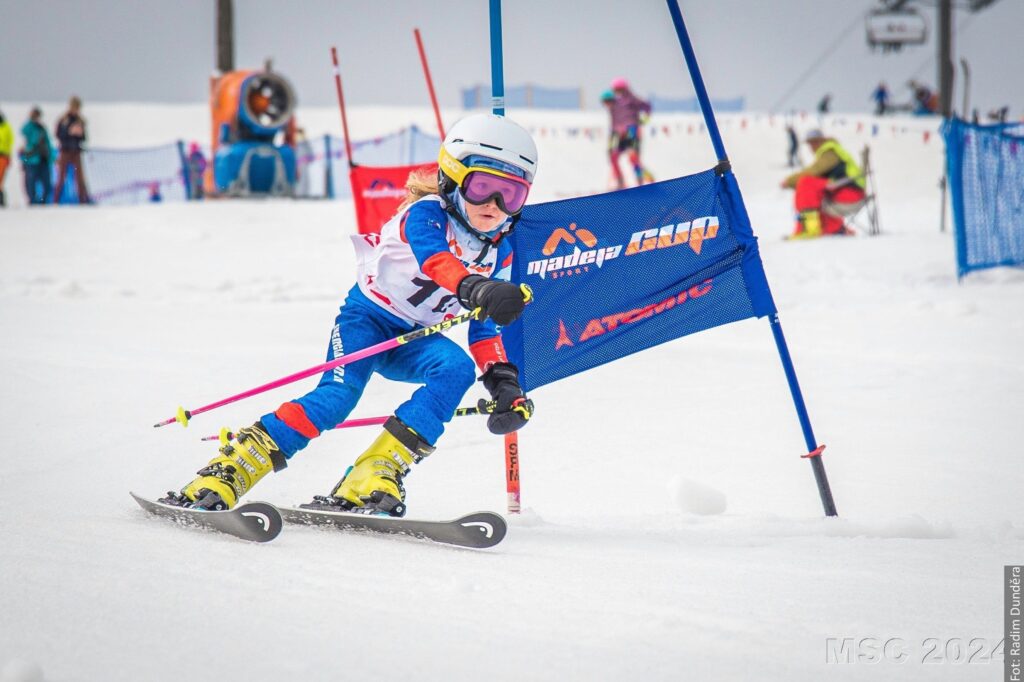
x: 251, y: 111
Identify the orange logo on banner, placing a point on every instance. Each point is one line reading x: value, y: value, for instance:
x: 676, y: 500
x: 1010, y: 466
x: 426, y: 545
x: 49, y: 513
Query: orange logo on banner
x: 561, y: 234
x: 563, y: 337
x: 692, y: 233
x: 577, y: 262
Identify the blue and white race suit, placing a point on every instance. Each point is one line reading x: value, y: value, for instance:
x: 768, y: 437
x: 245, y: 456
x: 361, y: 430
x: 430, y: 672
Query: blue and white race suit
x: 406, y: 277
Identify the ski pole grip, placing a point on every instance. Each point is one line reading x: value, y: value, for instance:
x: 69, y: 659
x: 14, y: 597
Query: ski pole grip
x: 527, y: 293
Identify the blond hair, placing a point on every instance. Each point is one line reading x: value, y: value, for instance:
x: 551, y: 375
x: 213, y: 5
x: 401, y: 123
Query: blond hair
x: 421, y: 183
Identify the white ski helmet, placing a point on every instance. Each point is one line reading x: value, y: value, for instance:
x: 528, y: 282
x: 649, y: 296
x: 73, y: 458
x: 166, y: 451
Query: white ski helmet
x: 492, y: 136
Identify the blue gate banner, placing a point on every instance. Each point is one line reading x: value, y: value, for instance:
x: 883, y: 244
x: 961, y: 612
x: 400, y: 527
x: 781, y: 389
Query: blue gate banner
x: 616, y: 273
x: 985, y: 164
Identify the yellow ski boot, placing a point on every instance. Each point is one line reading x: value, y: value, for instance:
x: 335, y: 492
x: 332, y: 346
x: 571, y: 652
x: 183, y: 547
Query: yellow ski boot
x: 808, y: 225
x: 243, y: 461
x: 373, y: 485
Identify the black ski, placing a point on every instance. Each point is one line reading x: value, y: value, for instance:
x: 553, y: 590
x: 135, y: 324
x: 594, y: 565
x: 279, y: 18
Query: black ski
x: 477, y: 530
x: 255, y: 521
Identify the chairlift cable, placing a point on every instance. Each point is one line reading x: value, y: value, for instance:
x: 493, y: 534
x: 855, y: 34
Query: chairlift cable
x: 818, y: 61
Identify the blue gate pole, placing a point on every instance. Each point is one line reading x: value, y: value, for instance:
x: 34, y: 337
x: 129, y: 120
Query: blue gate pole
x: 814, y: 451
x: 497, y: 70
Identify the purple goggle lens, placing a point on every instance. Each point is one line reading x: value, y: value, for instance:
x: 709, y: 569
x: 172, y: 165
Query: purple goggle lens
x: 510, y: 193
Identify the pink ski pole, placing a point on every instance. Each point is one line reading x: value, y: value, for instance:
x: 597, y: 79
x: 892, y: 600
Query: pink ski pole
x: 226, y: 434
x: 183, y: 416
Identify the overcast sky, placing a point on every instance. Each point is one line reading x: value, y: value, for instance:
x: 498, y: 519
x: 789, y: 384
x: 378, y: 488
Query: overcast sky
x: 164, y: 50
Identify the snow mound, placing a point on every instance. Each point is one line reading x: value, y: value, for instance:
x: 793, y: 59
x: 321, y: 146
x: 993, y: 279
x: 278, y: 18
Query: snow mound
x: 696, y: 498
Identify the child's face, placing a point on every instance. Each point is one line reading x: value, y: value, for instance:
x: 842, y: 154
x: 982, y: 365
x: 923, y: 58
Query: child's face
x: 485, y: 217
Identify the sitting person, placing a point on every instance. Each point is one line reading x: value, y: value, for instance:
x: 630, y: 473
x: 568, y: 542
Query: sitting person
x: 832, y: 178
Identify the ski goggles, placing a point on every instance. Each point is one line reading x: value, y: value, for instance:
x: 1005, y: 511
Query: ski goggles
x: 479, y: 184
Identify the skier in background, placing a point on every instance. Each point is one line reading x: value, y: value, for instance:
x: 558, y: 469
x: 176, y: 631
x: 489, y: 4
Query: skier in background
x: 881, y: 97
x: 6, y: 145
x: 607, y: 97
x: 196, y: 169
x: 793, y: 155
x: 926, y: 102
x: 628, y: 112
x: 832, y: 176
x: 616, y: 181
x: 444, y: 250
x: 825, y: 104
x: 36, y: 156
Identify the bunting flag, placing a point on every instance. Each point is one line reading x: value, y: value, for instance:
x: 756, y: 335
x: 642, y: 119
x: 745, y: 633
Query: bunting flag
x: 743, y: 124
x: 613, y: 274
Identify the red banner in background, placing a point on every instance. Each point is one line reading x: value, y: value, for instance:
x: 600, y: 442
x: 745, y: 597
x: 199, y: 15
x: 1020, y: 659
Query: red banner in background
x: 378, y: 190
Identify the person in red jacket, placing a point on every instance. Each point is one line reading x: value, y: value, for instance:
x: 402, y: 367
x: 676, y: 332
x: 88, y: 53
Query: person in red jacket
x: 71, y: 135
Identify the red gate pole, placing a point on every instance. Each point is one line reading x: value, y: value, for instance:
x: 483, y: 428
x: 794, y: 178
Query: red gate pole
x: 512, y: 471
x: 341, y: 105
x: 430, y: 82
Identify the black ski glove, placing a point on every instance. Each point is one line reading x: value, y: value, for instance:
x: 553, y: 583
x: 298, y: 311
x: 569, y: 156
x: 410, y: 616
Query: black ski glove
x: 509, y: 408
x: 501, y: 301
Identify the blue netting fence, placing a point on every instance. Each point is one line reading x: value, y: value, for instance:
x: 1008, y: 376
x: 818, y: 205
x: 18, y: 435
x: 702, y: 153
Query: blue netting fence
x: 985, y: 164
x: 323, y: 166
x: 132, y: 176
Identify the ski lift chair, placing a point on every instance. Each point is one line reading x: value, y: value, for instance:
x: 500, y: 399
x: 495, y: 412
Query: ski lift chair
x: 862, y: 211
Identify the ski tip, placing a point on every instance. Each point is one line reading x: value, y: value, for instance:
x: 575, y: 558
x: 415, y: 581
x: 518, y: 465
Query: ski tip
x: 490, y: 526
x: 252, y: 521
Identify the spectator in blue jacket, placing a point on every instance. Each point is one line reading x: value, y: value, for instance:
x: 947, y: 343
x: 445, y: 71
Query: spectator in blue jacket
x: 36, y: 157
x: 881, y: 97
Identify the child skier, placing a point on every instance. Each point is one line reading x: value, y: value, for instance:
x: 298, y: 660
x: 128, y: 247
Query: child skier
x: 628, y: 112
x: 443, y: 250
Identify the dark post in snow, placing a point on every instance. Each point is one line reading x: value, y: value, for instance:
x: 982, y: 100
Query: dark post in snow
x: 946, y: 58
x: 225, y: 37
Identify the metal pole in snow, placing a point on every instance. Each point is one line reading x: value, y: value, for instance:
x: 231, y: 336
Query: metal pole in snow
x: 813, y: 449
x: 498, y: 107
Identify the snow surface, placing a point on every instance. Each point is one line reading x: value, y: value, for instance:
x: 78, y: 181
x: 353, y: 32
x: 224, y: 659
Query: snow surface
x: 671, y: 530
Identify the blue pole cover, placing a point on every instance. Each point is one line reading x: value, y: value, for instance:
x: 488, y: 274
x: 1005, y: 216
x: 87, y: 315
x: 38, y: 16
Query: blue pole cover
x: 497, y: 69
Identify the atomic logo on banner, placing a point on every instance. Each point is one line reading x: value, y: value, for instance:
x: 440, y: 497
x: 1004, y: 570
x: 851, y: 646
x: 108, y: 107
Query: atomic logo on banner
x: 608, y: 323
